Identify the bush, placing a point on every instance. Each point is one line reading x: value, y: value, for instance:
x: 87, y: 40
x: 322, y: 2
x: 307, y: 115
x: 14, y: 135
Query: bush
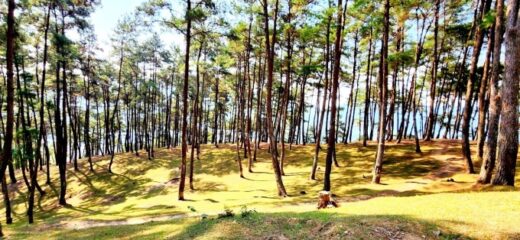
x: 244, y: 212
x: 227, y: 213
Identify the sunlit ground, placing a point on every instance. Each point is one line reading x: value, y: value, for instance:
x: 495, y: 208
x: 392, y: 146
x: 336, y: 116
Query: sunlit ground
x: 415, y: 200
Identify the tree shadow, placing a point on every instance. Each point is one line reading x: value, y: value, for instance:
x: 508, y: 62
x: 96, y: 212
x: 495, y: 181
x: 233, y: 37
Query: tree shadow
x: 319, y: 225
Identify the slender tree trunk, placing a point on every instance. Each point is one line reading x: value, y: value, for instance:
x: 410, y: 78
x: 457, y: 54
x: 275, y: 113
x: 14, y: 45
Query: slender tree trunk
x: 259, y: 108
x: 216, y: 114
x: 331, y: 148
x: 86, y: 129
x: 42, y: 132
x: 489, y: 158
x: 433, y: 87
x: 383, y: 84
x: 6, y: 156
x: 367, y: 92
x: 321, y: 117
x: 479, y: 38
x: 195, y: 117
x: 116, y: 105
x: 27, y: 146
x: 482, y: 105
x: 249, y: 98
x: 287, y: 88
x: 185, y: 102
x: 269, y: 45
x: 349, y: 113
x: 239, y: 113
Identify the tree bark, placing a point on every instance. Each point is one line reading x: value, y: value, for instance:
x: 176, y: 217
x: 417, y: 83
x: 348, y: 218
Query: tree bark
x: 479, y: 38
x: 367, y: 92
x: 490, y: 146
x: 482, y: 106
x: 433, y: 87
x: 269, y: 85
x: 383, y: 84
x: 9, y: 128
x: 185, y: 106
x: 319, y: 125
x: 331, y: 148
x: 508, y: 132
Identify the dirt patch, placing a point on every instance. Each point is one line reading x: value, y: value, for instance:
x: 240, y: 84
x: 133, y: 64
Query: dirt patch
x: 156, y: 189
x: 173, y: 181
x: 113, y: 199
x: 86, y: 224
x: 452, y: 167
x: 86, y: 195
x: 383, y: 193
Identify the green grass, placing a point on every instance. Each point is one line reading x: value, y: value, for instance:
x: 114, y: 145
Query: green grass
x: 414, y: 198
x: 257, y: 226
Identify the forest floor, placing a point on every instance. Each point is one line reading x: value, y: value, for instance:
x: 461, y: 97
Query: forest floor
x: 139, y: 200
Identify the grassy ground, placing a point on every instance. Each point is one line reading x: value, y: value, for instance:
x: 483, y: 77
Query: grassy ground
x: 413, y: 202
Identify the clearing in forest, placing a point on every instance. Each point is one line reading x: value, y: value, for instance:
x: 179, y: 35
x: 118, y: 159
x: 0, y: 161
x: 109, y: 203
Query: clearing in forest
x: 415, y: 199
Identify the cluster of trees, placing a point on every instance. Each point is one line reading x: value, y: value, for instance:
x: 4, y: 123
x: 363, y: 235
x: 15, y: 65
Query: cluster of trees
x: 279, y: 71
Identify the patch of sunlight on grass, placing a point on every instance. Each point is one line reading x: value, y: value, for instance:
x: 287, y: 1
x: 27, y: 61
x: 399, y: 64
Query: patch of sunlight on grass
x: 477, y: 214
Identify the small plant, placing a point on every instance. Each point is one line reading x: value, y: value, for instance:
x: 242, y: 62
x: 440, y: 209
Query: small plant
x: 192, y: 209
x: 227, y: 213
x: 245, y: 212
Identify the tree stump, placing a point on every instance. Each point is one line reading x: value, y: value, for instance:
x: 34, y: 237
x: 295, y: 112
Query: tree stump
x: 326, y: 200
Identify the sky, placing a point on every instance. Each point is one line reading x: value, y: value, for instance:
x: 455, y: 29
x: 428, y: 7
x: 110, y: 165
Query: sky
x: 109, y: 12
x: 107, y: 15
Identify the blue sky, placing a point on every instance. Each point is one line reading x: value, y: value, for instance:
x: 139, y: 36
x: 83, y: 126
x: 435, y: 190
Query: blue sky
x: 108, y: 13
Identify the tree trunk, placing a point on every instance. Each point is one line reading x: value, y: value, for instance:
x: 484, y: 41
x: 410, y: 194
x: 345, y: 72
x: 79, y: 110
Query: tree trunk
x: 116, y: 104
x: 479, y: 38
x: 269, y: 85
x: 319, y: 125
x: 508, y: 132
x: 367, y: 92
x: 431, y: 116
x: 185, y: 102
x: 331, y: 148
x: 6, y: 156
x: 482, y: 106
x: 195, y: 117
x: 287, y: 88
x: 383, y: 84
x: 489, y: 157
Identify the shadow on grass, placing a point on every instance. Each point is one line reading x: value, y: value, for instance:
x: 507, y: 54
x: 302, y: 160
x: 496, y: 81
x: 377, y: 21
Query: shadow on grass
x: 323, y: 225
x: 286, y: 225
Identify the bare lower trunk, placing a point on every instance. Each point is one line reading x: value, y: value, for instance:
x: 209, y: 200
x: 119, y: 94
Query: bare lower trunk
x: 508, y: 132
x: 383, y: 84
x: 490, y: 146
x: 270, y: 69
x: 185, y: 105
x: 331, y: 148
x: 468, y: 108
